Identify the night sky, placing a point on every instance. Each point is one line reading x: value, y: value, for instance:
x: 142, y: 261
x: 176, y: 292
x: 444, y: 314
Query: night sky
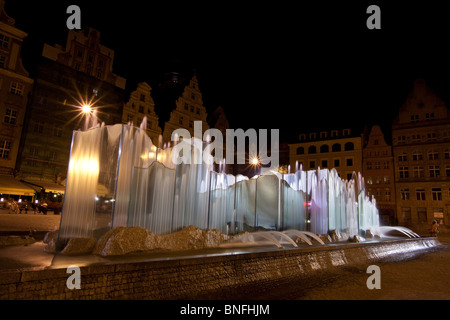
x: 274, y: 65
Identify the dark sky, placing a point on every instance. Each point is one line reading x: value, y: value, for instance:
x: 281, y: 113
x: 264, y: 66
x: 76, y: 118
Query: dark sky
x: 270, y: 64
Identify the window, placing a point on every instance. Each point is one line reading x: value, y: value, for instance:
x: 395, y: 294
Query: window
x: 420, y: 194
x: 192, y: 96
x: 324, y: 163
x: 312, y: 136
x: 197, y: 110
x: 417, y: 156
x: 446, y: 154
x: 334, y: 133
x: 349, y: 146
x: 403, y: 172
x: 141, y: 109
x: 10, y: 116
x: 57, y: 131
x: 323, y: 135
x: 39, y: 127
x: 418, y: 172
x: 337, y: 163
x: 429, y: 116
x: 16, y: 88
x: 324, y: 148
x: 302, y: 137
x: 336, y: 147
x: 422, y: 215
x: 434, y: 171
x: 130, y: 118
x: 402, y: 157
x: 5, y: 148
x: 346, y: 132
x: 300, y: 150
x: 385, y: 164
x: 387, y: 195
x: 186, y: 106
x: 2, y: 61
x: 447, y: 170
x: 4, y: 41
x: 377, y: 165
x: 414, y: 117
x: 180, y: 121
x: 401, y: 139
x: 312, y: 149
x: 433, y: 155
x: 191, y: 124
x: 312, y: 164
x: 436, y: 194
x: 404, y: 194
x: 349, y: 162
x: 386, y: 180
x: 369, y: 165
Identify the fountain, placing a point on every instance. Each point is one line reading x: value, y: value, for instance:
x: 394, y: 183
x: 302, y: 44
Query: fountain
x: 118, y: 178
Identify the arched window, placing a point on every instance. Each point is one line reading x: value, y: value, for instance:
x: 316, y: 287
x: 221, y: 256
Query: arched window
x: 324, y: 149
x: 336, y: 147
x: 300, y: 150
x: 349, y: 146
x: 312, y: 149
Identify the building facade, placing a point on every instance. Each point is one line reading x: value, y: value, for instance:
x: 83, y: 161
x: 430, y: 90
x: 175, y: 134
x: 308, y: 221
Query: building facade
x: 189, y: 108
x: 66, y: 80
x: 141, y: 106
x: 339, y: 149
x: 378, y: 172
x: 15, y: 90
x: 421, y: 146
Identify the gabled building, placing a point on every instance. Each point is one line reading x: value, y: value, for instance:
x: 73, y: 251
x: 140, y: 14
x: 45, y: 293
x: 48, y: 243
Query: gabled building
x: 378, y: 172
x: 189, y: 108
x: 421, y: 146
x: 141, y: 106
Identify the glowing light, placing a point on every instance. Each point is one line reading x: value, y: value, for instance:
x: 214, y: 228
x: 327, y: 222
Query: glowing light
x: 88, y: 165
x: 255, y: 161
x: 86, y: 108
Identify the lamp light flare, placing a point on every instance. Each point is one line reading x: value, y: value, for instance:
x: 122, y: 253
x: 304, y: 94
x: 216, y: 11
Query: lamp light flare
x: 86, y: 108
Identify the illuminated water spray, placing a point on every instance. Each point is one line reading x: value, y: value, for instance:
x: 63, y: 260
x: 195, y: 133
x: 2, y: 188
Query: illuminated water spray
x: 118, y: 177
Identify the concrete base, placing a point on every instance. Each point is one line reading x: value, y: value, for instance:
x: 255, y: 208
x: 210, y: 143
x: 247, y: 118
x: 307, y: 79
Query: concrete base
x: 214, y: 274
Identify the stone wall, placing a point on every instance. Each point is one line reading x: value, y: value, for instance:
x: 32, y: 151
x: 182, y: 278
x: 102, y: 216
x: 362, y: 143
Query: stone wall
x: 214, y: 277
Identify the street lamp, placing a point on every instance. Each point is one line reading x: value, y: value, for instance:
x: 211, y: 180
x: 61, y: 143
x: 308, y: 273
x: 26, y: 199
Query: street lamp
x: 86, y: 109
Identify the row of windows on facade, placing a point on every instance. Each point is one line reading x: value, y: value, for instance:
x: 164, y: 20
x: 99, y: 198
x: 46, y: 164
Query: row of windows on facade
x: 434, y: 171
x: 187, y: 106
x: 421, y: 194
x: 349, y: 146
x: 432, y: 154
x: 428, y: 116
x: 417, y: 138
x: 324, y: 134
x: 422, y: 216
x: 130, y: 119
x: 378, y: 194
x: 324, y: 163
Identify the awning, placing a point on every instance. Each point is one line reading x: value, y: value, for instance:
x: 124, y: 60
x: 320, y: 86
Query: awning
x: 10, y: 185
x: 48, y: 186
